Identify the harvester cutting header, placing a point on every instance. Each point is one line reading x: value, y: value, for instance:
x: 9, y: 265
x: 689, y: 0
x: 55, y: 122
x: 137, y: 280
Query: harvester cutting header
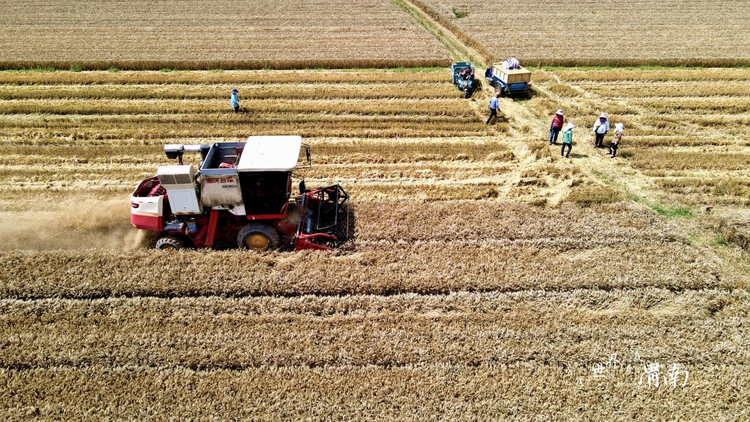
x: 240, y: 195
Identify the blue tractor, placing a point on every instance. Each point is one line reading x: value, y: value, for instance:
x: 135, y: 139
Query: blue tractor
x: 463, y: 78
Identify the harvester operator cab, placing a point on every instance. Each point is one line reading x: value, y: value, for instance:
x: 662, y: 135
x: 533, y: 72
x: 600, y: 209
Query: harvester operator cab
x: 252, y: 178
x: 265, y: 172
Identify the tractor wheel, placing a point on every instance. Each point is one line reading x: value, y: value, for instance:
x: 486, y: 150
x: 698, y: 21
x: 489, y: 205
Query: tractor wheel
x: 467, y: 93
x: 168, y: 244
x: 258, y: 237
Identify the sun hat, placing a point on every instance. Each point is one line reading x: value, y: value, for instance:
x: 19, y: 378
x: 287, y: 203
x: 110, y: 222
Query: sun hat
x: 603, y: 116
x: 619, y: 127
x: 560, y: 112
x: 569, y: 126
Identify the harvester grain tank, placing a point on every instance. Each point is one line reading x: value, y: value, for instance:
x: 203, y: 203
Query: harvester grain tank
x: 240, y: 194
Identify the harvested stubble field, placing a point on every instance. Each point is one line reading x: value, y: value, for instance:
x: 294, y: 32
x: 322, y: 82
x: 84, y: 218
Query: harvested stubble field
x: 195, y: 34
x: 476, y: 287
x: 671, y: 32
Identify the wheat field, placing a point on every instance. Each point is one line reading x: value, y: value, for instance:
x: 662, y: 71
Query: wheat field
x: 368, y: 33
x: 672, y: 32
x: 487, y: 279
x: 220, y: 34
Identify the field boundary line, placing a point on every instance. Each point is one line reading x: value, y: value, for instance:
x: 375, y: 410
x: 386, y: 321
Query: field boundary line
x: 157, y: 65
x: 406, y: 295
x: 385, y: 292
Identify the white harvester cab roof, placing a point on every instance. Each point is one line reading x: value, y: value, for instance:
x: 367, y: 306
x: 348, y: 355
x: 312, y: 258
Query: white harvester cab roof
x: 270, y: 153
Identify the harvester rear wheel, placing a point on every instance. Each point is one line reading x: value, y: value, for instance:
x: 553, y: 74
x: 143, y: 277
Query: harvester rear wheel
x: 258, y: 237
x: 168, y: 244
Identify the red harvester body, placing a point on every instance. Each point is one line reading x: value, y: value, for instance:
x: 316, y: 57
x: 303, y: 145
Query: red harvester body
x: 241, y: 196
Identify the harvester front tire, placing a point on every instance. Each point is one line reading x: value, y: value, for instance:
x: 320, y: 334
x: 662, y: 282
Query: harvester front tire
x: 258, y: 237
x: 168, y: 244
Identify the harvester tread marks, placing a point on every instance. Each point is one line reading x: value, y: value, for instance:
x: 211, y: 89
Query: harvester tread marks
x: 169, y: 243
x: 269, y: 233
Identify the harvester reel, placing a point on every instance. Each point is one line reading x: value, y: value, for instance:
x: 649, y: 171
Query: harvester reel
x: 169, y: 244
x: 258, y: 237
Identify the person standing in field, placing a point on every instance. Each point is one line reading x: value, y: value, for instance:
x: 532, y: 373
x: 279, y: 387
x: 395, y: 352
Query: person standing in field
x: 619, y: 128
x: 493, y: 107
x: 556, y: 127
x: 235, y: 99
x: 601, y: 127
x: 567, y: 140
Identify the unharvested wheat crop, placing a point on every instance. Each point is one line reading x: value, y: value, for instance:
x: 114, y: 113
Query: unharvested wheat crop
x: 223, y: 34
x: 604, y: 32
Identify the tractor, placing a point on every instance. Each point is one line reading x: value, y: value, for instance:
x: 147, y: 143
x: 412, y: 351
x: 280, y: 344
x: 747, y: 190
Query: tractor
x: 463, y: 78
x: 240, y: 195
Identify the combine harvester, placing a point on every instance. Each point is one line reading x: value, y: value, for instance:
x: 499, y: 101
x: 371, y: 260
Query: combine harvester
x: 240, y: 195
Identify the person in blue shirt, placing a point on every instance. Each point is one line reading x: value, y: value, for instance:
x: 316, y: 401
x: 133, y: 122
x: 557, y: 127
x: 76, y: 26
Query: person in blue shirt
x: 493, y: 108
x: 235, y: 100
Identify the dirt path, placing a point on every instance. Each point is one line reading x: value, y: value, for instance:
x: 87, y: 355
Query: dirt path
x: 517, y: 125
x: 457, y: 50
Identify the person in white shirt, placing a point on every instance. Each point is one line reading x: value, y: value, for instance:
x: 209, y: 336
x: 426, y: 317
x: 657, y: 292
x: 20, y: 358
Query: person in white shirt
x: 601, y: 127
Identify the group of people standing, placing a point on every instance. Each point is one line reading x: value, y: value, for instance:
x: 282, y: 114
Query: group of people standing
x: 601, y: 127
x: 556, y: 127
